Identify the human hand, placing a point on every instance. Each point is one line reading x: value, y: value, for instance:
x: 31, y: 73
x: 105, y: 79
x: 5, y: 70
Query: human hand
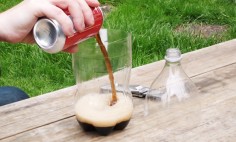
x: 17, y: 22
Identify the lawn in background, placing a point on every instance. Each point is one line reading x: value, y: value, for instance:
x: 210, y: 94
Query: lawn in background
x: 153, y: 24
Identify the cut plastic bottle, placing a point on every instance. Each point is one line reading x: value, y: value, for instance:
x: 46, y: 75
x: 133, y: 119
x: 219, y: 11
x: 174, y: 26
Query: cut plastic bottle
x: 173, y: 97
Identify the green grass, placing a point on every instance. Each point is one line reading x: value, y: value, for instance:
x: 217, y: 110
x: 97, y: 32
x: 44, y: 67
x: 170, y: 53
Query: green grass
x: 152, y: 24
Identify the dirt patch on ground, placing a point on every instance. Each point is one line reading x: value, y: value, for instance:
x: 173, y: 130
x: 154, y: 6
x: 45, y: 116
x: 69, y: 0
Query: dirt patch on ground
x: 107, y: 8
x: 202, y: 30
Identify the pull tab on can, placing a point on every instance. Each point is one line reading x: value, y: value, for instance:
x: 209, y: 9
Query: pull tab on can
x: 49, y: 36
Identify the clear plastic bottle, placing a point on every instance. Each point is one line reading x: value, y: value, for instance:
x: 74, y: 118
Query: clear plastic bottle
x: 97, y: 83
x: 173, y: 93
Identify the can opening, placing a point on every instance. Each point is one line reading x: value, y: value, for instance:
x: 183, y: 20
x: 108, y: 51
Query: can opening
x: 46, y: 33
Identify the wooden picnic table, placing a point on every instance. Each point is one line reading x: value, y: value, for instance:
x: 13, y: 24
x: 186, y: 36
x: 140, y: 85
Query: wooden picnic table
x: 50, y: 117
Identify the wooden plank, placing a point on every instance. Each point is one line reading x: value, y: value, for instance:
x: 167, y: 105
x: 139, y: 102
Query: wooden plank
x: 48, y: 108
x: 217, y: 118
x: 34, y: 112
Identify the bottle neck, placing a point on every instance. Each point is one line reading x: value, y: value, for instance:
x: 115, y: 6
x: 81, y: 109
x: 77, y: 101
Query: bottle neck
x: 177, y: 63
x: 173, y: 67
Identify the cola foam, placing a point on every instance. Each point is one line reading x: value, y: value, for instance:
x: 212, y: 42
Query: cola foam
x: 93, y: 112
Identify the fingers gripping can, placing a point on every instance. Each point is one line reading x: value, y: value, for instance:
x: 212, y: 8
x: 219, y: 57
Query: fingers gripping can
x: 49, y: 36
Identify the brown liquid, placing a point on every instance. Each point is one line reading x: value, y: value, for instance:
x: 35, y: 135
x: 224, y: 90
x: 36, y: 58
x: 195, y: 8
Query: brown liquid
x: 104, y: 131
x: 119, y: 126
x: 109, y: 69
x: 105, y: 120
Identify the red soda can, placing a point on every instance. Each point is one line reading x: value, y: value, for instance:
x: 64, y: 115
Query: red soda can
x: 49, y: 36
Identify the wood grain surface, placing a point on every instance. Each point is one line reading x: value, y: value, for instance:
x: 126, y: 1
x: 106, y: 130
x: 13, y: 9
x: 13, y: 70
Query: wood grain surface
x: 50, y: 117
